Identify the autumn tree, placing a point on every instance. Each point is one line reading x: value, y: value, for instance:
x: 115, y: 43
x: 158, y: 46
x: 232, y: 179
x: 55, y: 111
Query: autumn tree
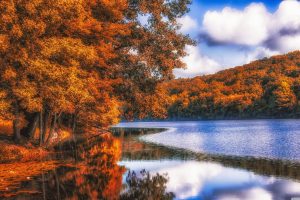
x: 55, y: 57
x: 283, y: 98
x: 78, y: 62
x: 151, y: 52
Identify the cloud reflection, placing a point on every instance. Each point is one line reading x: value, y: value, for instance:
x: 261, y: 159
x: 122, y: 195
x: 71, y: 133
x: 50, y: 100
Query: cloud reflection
x: 208, y: 180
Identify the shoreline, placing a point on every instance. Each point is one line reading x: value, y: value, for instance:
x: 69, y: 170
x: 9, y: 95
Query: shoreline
x: 259, y: 165
x: 11, y: 152
x: 160, y: 130
x: 205, y: 120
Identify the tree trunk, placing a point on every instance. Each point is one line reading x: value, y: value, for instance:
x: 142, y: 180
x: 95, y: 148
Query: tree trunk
x: 52, y: 128
x: 16, y: 125
x: 44, y: 186
x: 41, y: 127
x: 74, y: 124
x: 33, y: 126
x: 73, y: 135
x: 45, y: 125
x: 70, y: 120
x: 58, y: 119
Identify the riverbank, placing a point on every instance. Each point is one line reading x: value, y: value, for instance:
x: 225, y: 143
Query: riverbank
x: 11, y: 152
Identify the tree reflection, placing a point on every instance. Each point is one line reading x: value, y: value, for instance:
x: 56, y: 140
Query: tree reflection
x: 96, y: 174
x: 146, y: 187
x: 88, y: 169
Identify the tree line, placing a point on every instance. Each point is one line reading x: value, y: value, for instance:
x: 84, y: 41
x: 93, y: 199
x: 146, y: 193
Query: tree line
x: 267, y: 88
x: 84, y: 63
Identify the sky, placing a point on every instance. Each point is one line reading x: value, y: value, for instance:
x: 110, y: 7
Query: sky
x: 231, y: 33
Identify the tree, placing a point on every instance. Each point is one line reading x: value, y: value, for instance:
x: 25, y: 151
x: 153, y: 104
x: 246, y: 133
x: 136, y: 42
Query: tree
x: 65, y: 63
x: 51, y: 50
x: 283, y: 98
x: 151, y: 52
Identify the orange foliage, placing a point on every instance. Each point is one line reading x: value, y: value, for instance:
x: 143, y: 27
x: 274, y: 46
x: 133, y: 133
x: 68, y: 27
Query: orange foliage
x: 6, y: 127
x: 264, y: 88
x: 72, y: 62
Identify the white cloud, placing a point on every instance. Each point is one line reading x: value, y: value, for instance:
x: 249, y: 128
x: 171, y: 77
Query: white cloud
x: 259, y: 53
x: 260, y: 32
x: 187, y: 24
x: 255, y: 26
x: 287, y: 43
x: 247, y: 27
x: 197, y: 64
x: 288, y: 15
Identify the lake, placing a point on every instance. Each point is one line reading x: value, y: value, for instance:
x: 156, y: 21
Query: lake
x: 249, y: 159
x: 206, y: 160
x: 276, y: 139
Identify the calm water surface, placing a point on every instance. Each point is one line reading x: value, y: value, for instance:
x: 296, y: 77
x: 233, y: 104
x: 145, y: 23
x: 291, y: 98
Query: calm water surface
x: 230, y: 160
x: 276, y: 139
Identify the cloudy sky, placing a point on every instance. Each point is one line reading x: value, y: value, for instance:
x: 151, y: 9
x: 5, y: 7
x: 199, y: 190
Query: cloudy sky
x: 234, y: 32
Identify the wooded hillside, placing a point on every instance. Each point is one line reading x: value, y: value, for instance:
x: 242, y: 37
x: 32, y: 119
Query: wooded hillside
x: 267, y: 88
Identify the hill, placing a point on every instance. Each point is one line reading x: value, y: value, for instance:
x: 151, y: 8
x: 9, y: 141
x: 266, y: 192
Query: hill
x: 267, y: 88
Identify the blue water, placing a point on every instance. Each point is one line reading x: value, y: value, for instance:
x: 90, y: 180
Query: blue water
x: 274, y: 139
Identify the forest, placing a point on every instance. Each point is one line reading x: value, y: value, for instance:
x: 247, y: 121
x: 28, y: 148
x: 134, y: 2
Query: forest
x: 267, y: 88
x: 80, y: 65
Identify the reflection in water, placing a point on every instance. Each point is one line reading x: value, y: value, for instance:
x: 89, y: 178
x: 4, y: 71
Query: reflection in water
x: 12, y: 174
x: 89, y: 172
x: 274, y: 139
x: 199, y: 176
x: 207, y: 180
x: 96, y: 174
x: 85, y: 171
x: 134, y: 149
x: 144, y: 186
x: 96, y: 169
